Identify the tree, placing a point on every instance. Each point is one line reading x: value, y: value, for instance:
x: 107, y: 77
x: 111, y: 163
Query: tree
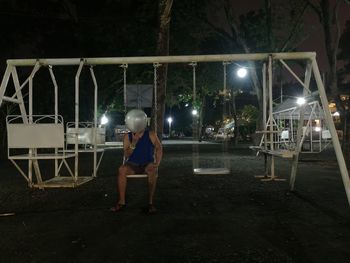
x: 344, y: 54
x: 164, y: 11
x: 327, y: 12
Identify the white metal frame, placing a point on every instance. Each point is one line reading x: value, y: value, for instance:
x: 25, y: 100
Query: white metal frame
x: 197, y: 169
x: 43, y: 132
x: 313, y: 111
x: 311, y: 69
x: 155, y: 79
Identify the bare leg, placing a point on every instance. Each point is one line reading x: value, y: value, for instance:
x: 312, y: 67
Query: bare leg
x: 152, y: 181
x: 124, y: 170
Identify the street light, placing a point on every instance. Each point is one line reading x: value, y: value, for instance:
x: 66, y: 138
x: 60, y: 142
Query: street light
x: 104, y: 120
x: 301, y: 101
x: 194, y: 112
x: 242, y: 73
x: 170, y: 120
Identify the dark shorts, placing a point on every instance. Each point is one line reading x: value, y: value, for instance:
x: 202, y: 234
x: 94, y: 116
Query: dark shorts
x: 137, y: 168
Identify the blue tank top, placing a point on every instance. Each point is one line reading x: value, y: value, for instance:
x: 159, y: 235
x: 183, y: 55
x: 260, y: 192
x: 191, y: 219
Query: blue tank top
x: 144, y: 151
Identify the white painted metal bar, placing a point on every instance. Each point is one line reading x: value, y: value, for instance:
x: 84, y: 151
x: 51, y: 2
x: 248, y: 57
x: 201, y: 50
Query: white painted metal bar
x: 329, y: 121
x: 155, y: 67
x: 195, y: 154
x: 32, y: 163
x: 264, y: 102
x: 99, y: 160
x: 225, y: 114
x: 4, y: 82
x: 76, y: 161
x: 30, y: 80
x: 20, y: 170
x: 35, y: 69
x: 125, y: 67
x: 162, y: 59
x: 69, y: 170
x: 300, y: 132
x: 19, y: 94
x: 294, y: 75
x: 95, y: 120
x: 54, y: 82
x: 5, y: 98
x: 269, y: 72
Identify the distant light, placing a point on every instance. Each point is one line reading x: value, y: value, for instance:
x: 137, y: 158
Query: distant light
x: 301, y: 101
x: 186, y: 105
x: 104, y: 120
x: 336, y: 114
x: 194, y: 112
x: 242, y: 73
x: 170, y: 120
x: 317, y: 129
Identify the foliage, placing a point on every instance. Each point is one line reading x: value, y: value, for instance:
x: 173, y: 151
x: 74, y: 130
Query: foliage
x: 344, y: 54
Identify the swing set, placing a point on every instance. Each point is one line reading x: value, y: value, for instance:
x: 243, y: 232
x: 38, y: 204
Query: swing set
x: 32, y: 138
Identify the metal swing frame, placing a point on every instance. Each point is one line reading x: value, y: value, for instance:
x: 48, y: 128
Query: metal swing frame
x: 311, y: 68
x: 46, y: 133
x: 155, y: 79
x: 197, y: 170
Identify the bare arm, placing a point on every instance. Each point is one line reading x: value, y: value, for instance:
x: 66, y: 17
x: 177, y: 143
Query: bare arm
x: 157, y: 147
x: 126, y: 145
x: 130, y: 146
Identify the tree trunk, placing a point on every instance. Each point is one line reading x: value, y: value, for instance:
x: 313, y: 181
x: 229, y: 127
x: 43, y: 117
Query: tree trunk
x: 165, y: 7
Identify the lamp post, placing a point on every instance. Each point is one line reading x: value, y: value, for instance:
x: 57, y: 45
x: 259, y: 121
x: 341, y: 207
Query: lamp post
x: 170, y: 120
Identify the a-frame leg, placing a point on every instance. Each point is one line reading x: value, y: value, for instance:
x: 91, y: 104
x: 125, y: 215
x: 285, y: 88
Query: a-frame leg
x: 329, y: 122
x: 300, y: 136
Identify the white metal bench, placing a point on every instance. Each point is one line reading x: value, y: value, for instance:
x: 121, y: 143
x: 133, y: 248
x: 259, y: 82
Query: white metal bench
x: 85, y: 134
x: 86, y: 140
x: 283, y: 153
x: 39, y: 137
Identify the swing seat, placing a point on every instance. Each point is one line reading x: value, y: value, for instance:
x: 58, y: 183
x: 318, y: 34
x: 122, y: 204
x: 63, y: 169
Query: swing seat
x: 41, y: 140
x: 280, y: 153
x: 210, y: 171
x: 134, y: 175
x: 36, y: 136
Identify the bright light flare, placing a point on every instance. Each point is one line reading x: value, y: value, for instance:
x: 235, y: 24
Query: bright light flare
x: 336, y: 114
x: 301, y: 101
x: 242, y: 73
x: 194, y: 112
x: 170, y: 120
x: 317, y: 129
x: 104, y: 119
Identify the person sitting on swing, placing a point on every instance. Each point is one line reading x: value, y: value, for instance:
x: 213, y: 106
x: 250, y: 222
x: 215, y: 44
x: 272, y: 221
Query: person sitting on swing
x: 143, y: 153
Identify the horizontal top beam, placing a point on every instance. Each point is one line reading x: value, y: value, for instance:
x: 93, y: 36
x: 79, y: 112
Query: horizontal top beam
x: 161, y: 59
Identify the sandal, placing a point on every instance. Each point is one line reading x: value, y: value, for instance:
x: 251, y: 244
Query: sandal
x: 151, y: 209
x: 118, y: 208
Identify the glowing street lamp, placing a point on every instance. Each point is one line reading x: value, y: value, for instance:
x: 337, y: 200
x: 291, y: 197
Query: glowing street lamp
x: 194, y: 112
x: 336, y: 114
x: 104, y: 120
x: 301, y: 101
x: 170, y: 120
x: 242, y: 73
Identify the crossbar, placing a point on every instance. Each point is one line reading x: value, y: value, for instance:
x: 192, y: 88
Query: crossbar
x: 161, y: 59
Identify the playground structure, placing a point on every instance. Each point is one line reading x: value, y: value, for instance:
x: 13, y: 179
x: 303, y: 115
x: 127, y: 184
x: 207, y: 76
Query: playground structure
x: 315, y: 133
x: 269, y: 145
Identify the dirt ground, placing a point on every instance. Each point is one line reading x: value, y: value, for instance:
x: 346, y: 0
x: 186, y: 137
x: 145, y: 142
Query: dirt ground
x: 227, y: 218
